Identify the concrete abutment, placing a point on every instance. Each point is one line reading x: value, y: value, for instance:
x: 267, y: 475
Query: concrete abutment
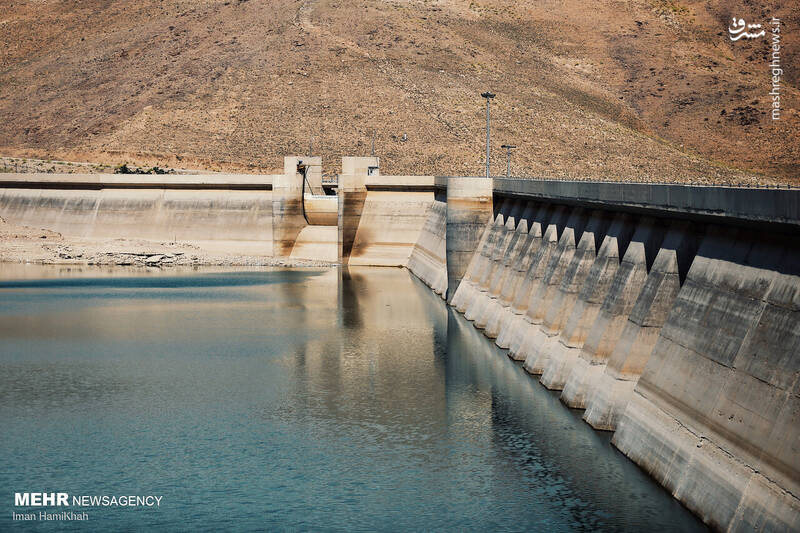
x: 469, y: 208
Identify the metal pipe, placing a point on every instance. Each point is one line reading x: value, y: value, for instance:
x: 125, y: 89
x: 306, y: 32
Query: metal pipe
x: 488, y: 95
x: 508, y: 148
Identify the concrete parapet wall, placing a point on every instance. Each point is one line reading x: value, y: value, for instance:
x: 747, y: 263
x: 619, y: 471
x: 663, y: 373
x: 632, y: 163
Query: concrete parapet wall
x: 716, y: 204
x: 137, y: 181
x: 400, y: 183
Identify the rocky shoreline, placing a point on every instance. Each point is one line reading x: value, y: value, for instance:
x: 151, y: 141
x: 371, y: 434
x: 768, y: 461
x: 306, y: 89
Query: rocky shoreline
x: 23, y: 244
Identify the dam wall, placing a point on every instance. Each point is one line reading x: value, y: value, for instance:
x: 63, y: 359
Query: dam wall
x: 381, y: 217
x: 218, y: 212
x: 715, y: 415
x: 374, y: 220
x: 670, y: 314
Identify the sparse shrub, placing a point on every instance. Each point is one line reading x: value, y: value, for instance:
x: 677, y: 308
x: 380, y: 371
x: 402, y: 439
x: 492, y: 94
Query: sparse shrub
x: 125, y: 169
x: 122, y: 169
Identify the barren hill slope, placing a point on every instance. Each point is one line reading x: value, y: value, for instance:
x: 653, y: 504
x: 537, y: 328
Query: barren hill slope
x: 638, y: 90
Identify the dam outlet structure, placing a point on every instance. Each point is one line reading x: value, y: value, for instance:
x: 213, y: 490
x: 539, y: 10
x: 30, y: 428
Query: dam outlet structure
x: 669, y: 314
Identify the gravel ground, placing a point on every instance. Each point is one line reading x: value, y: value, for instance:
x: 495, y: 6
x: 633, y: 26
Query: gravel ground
x: 22, y: 244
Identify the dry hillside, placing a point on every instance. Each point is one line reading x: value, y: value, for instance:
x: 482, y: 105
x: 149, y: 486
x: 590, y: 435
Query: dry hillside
x: 638, y: 90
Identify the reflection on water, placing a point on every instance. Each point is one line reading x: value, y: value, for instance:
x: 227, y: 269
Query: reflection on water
x: 291, y: 399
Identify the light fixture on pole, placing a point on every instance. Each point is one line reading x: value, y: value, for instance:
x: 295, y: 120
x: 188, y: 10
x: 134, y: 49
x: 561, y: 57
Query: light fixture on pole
x: 508, y: 148
x: 488, y: 95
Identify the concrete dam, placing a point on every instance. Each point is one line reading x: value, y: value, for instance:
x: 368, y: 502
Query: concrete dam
x: 670, y: 314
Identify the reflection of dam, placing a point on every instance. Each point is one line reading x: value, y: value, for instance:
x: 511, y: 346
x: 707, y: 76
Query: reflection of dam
x: 669, y: 314
x: 399, y: 334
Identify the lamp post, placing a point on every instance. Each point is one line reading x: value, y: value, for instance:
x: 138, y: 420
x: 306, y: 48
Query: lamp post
x: 508, y: 148
x: 488, y: 95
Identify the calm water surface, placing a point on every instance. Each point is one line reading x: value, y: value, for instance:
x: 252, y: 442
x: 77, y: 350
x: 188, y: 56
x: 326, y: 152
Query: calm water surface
x: 290, y: 400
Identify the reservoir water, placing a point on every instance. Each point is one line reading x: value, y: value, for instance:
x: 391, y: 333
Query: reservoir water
x: 273, y: 400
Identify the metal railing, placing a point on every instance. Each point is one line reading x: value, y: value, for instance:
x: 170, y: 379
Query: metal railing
x: 738, y: 185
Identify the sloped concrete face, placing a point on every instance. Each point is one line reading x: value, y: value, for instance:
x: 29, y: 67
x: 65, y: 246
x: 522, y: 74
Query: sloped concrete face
x: 514, y: 250
x: 606, y: 400
x: 714, y: 416
x: 501, y: 246
x: 575, y: 374
x: 390, y: 224
x: 559, y: 299
x: 567, y: 345
x: 518, y: 246
x: 427, y: 260
x: 475, y: 285
x: 490, y: 250
x: 563, y: 298
x: 488, y: 277
x: 317, y: 243
x: 598, y: 281
x: 517, y: 288
x: 469, y: 208
x: 541, y: 293
x: 544, y: 287
x: 537, y: 269
x: 464, y: 293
